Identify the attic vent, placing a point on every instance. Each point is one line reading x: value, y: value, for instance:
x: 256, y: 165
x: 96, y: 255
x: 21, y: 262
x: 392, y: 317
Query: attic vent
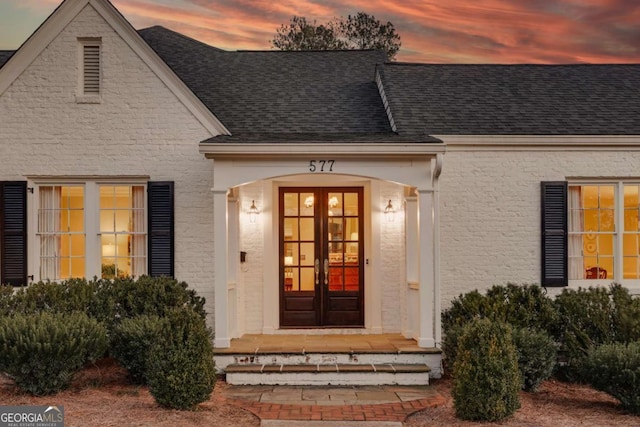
x: 91, y: 66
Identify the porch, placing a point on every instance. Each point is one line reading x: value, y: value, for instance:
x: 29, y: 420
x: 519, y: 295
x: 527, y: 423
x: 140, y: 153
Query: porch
x: 331, y: 359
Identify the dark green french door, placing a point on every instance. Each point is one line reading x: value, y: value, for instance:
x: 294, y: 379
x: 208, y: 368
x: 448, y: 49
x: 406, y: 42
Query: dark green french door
x: 321, y: 257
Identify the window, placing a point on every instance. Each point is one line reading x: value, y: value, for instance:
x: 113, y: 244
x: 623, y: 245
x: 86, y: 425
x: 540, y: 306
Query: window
x: 590, y: 231
x: 85, y: 229
x: 67, y: 232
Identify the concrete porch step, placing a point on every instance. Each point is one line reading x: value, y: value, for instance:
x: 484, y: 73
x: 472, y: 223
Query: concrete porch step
x: 328, y: 374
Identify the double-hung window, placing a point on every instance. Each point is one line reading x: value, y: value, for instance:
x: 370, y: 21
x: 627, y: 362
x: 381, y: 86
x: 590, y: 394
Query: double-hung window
x: 591, y: 231
x: 56, y: 230
x: 91, y: 229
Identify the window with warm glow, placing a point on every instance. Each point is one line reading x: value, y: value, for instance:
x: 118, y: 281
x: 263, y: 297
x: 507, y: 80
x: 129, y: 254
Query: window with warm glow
x: 604, y: 231
x: 91, y: 229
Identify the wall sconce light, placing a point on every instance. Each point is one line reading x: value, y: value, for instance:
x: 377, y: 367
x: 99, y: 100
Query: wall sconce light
x: 253, y: 212
x: 389, y: 212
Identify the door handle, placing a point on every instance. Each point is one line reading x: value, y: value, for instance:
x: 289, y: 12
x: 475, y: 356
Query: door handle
x: 326, y: 271
x: 317, y: 265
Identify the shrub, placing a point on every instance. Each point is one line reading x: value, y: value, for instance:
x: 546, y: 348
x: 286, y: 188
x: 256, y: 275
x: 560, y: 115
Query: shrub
x: 615, y: 369
x: 41, y: 352
x: 123, y: 298
x: 64, y: 297
x: 6, y: 300
x: 486, y: 379
x: 591, y: 317
x: 131, y: 342
x: 537, y: 353
x: 181, y: 370
x: 518, y: 305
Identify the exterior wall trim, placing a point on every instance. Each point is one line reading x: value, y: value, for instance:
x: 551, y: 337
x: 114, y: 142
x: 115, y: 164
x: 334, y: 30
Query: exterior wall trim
x: 360, y: 150
x: 540, y: 142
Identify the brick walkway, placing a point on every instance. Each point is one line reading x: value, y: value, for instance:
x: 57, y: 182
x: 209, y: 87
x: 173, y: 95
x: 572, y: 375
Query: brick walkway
x: 381, y: 403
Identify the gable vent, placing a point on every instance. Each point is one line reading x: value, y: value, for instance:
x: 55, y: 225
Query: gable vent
x: 91, y: 57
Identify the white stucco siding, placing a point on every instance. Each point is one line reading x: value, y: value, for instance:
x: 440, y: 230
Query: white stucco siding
x: 139, y: 128
x: 490, y: 210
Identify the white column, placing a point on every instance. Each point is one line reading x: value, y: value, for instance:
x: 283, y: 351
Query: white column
x: 426, y: 336
x: 221, y: 329
x: 412, y: 266
x: 234, y: 258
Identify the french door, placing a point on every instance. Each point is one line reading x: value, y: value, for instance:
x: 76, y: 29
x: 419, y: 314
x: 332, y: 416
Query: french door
x: 321, y: 257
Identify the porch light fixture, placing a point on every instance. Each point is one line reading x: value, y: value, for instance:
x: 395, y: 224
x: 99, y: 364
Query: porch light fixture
x: 253, y: 212
x: 389, y: 212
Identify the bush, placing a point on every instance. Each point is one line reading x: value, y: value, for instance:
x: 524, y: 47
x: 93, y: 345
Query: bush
x: 521, y: 306
x: 486, y: 379
x: 615, y: 369
x: 591, y: 317
x: 131, y: 342
x: 64, y: 297
x: 41, y: 352
x: 124, y: 298
x: 537, y: 354
x: 181, y: 370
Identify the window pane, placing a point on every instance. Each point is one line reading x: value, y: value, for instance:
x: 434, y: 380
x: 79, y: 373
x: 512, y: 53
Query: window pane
x: 291, y: 228
x: 122, y: 224
x: 631, y: 219
x: 335, y: 204
x: 606, y: 196
x: 606, y: 220
x: 335, y: 229
x: 307, y: 282
x: 630, y: 245
x: 307, y: 231
x: 631, y: 196
x: 291, y: 252
x: 351, y: 229
x: 605, y: 244
x: 307, y: 204
x: 307, y: 256
x: 351, y: 204
x: 630, y: 268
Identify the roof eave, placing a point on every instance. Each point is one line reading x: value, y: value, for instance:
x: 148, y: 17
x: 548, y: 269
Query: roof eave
x: 379, y: 149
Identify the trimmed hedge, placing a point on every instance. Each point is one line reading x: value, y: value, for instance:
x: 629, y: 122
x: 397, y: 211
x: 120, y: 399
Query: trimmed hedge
x: 615, y: 370
x: 42, y: 352
x: 132, y: 341
x: 180, y: 367
x: 486, y: 379
x: 537, y: 353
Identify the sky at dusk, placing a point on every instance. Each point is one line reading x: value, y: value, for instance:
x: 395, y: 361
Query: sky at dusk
x: 432, y: 31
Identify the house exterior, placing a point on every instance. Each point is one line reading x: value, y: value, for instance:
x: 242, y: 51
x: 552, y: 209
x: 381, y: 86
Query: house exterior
x: 324, y: 192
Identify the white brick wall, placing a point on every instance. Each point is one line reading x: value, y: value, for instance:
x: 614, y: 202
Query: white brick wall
x: 490, y: 211
x: 139, y: 128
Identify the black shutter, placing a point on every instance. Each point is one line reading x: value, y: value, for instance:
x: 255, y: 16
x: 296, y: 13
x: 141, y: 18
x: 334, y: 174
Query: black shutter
x: 161, y: 219
x: 554, y: 234
x: 13, y: 233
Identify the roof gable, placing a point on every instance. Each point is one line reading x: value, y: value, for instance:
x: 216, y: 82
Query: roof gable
x: 64, y: 14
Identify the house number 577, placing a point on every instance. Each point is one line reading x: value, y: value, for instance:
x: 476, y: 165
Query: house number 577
x: 321, y: 165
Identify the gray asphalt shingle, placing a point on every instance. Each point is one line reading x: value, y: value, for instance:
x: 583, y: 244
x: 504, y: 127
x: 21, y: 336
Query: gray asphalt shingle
x: 461, y: 99
x: 271, y: 92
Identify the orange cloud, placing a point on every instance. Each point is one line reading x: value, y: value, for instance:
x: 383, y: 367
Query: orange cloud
x: 480, y: 31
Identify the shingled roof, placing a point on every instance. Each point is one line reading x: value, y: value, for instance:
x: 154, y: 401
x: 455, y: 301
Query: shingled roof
x: 4, y: 56
x: 274, y: 95
x: 514, y: 99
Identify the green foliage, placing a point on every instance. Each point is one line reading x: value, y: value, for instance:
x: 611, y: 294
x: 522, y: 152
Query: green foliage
x: 41, y: 352
x: 64, y: 297
x: 131, y: 342
x: 591, y: 317
x: 615, y: 370
x: 486, y: 379
x: 180, y: 367
x: 520, y: 306
x: 124, y: 298
x: 359, y: 31
x: 537, y: 353
x: 6, y: 300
